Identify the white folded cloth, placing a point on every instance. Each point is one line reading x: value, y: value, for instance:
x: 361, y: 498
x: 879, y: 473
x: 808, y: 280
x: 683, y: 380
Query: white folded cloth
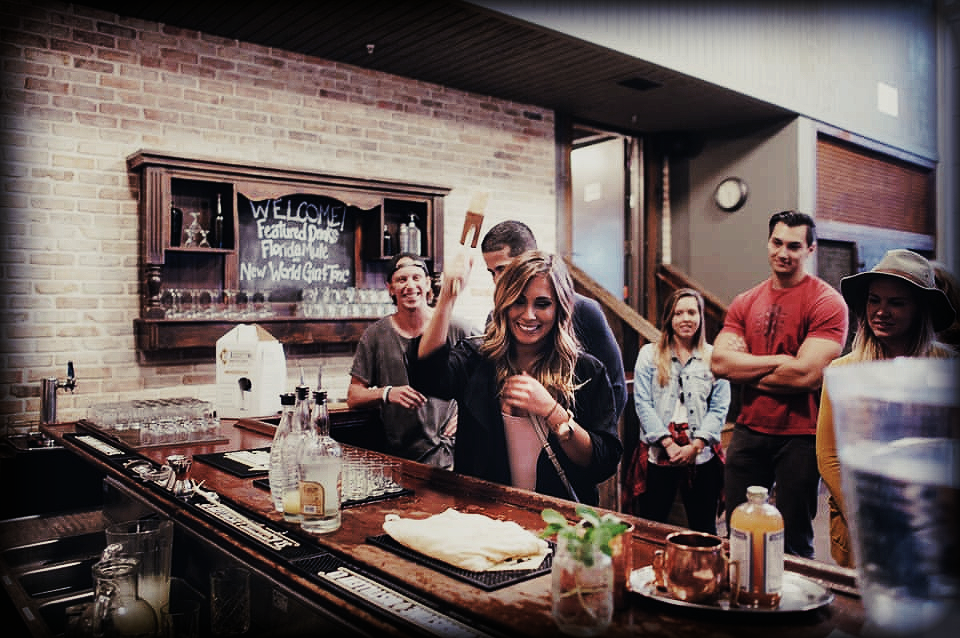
x: 469, y: 541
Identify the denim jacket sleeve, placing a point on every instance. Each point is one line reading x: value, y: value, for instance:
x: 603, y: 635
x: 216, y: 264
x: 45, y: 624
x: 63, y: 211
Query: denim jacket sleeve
x: 652, y: 427
x: 718, y: 403
x: 716, y: 415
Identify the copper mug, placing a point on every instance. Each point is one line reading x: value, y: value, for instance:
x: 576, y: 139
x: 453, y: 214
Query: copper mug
x: 621, y: 551
x: 692, y: 568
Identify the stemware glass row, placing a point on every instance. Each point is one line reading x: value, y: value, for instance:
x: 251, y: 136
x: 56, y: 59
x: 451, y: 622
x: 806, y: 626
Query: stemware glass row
x: 320, y: 303
x: 214, y: 303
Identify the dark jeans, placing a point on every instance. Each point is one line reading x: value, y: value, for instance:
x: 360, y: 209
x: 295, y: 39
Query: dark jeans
x: 790, y: 463
x: 700, y: 497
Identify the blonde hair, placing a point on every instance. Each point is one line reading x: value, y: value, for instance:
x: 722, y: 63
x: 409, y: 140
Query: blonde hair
x: 922, y: 339
x: 555, y: 363
x: 664, y: 349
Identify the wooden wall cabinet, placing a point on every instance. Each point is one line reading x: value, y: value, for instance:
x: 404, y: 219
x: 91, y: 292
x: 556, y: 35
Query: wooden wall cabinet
x: 354, y: 214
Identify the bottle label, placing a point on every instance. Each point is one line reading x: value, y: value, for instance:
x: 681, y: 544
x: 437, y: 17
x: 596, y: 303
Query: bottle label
x: 759, y: 560
x: 773, y: 568
x: 312, y: 498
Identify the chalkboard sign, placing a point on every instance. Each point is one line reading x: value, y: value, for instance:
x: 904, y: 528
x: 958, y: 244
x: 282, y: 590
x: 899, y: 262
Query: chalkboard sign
x: 294, y: 242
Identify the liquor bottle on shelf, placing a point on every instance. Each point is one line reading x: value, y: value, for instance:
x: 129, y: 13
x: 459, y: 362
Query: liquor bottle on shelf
x: 756, y: 547
x: 176, y: 225
x: 404, y: 238
x: 218, y: 225
x: 387, y: 242
x: 413, y: 236
x: 281, y: 434
x: 321, y: 467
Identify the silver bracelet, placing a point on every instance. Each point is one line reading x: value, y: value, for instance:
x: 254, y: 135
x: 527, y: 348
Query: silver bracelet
x: 386, y: 394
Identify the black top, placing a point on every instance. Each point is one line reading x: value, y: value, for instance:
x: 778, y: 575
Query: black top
x: 461, y: 373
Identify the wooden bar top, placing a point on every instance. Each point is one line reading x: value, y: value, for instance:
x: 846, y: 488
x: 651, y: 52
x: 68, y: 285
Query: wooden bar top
x: 522, y: 609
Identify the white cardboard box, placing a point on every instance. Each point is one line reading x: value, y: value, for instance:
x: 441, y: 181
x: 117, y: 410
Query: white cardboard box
x: 251, y: 372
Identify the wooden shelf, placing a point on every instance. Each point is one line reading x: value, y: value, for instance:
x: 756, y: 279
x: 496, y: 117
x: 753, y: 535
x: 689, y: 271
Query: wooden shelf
x: 199, y: 249
x: 160, y: 334
x: 284, y: 231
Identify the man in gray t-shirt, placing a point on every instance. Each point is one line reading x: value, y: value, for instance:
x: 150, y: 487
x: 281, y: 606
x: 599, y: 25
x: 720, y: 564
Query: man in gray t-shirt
x: 416, y: 427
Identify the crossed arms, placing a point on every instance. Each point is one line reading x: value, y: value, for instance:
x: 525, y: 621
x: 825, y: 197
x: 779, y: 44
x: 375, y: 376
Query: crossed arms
x: 776, y: 373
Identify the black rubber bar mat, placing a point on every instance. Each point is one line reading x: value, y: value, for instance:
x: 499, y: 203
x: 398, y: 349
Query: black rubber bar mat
x: 488, y: 581
x: 264, y: 484
x: 221, y: 462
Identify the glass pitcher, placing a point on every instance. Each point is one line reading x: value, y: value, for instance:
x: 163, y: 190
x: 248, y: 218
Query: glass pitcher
x: 117, y: 609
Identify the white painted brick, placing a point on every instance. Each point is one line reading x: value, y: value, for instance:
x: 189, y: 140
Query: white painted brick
x: 74, y: 204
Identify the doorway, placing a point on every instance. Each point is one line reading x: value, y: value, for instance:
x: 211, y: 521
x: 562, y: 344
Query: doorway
x: 598, y: 191
x: 604, y: 196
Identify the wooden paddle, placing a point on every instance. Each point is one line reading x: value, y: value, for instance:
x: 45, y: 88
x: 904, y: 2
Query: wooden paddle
x: 473, y: 220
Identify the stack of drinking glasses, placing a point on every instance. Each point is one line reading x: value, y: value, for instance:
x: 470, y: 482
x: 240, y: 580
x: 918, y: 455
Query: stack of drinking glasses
x: 342, y: 303
x: 143, y: 422
x: 368, y: 475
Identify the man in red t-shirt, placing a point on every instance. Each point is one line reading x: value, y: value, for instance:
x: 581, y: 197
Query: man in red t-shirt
x: 776, y: 340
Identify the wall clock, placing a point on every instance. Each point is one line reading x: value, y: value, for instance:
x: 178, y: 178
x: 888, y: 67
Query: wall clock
x: 731, y: 194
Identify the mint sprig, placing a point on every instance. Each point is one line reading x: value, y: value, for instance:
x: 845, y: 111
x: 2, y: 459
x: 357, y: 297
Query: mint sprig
x: 583, y: 538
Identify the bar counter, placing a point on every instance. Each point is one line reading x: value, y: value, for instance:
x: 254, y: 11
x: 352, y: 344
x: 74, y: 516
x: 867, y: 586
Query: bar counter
x: 521, y: 609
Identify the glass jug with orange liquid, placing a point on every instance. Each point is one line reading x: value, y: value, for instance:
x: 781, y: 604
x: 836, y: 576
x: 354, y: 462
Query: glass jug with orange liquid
x: 756, y: 552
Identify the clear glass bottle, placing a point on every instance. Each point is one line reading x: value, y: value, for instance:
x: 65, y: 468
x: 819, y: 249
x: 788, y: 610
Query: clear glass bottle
x: 321, y: 468
x: 281, y: 434
x: 756, y: 547
x: 413, y: 236
x: 404, y: 238
x: 291, y: 450
x: 218, y: 225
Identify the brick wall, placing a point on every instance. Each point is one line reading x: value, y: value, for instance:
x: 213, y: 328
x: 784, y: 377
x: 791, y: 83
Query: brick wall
x: 83, y: 89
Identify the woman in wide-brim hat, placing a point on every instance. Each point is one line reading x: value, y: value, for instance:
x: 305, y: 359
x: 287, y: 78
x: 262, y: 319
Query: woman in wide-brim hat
x: 899, y: 310
x: 912, y: 277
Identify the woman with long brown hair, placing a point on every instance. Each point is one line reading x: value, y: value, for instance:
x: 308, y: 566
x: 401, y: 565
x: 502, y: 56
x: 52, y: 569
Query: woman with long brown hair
x: 536, y: 412
x: 681, y: 407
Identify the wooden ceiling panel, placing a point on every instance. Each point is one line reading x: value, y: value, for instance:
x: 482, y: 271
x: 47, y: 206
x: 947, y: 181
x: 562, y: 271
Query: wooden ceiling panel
x: 466, y: 47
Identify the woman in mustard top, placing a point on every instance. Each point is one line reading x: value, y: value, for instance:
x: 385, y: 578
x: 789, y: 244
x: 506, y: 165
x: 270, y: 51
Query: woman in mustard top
x: 899, y: 310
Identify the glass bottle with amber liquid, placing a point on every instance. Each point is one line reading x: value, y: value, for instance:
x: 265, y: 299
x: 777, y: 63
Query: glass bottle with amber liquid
x: 756, y: 551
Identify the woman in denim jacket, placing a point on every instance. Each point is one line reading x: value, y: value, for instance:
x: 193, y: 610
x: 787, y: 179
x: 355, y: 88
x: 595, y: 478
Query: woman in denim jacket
x: 682, y: 408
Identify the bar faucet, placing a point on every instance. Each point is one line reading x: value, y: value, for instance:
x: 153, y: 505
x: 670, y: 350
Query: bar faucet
x: 48, y: 394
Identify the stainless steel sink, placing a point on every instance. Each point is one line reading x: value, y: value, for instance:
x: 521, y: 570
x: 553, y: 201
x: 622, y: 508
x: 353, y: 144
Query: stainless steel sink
x: 57, y: 613
x: 55, y: 551
x: 58, y: 579
x: 31, y: 441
